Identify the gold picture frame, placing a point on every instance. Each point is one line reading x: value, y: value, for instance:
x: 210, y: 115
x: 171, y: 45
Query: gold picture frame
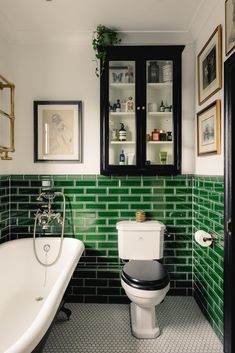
x: 209, y: 66
x: 208, y: 129
x: 229, y: 26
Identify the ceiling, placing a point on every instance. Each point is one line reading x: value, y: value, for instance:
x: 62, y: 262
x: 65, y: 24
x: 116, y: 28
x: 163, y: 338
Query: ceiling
x: 18, y: 18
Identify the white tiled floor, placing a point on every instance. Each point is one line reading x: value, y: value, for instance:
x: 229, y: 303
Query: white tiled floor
x: 105, y: 328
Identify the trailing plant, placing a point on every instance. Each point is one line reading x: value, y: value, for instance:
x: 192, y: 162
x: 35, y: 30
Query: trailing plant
x: 102, y: 38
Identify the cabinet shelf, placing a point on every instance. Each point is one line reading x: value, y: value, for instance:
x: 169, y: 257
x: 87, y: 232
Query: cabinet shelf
x: 122, y: 113
x: 160, y: 114
x: 122, y: 85
x: 160, y: 142
x: 122, y: 142
x: 159, y: 85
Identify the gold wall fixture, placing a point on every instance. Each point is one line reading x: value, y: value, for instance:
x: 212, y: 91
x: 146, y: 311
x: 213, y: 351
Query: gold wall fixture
x: 4, y: 150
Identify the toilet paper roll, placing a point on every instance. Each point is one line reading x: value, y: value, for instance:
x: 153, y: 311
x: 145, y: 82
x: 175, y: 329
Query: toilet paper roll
x: 203, y: 238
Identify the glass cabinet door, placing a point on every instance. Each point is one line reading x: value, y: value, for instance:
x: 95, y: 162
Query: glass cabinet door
x: 122, y: 116
x: 159, y: 115
x: 141, y: 110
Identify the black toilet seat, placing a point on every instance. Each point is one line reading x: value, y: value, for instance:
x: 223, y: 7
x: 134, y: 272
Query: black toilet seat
x: 145, y: 274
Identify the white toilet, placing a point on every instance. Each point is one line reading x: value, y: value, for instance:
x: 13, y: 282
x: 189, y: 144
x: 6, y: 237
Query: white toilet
x: 144, y: 279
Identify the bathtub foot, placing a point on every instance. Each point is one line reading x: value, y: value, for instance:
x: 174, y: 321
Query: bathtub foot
x: 67, y: 311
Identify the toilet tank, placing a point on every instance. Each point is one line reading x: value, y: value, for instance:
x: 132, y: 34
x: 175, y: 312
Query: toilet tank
x: 140, y: 240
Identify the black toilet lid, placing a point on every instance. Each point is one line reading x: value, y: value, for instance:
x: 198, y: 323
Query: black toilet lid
x: 145, y: 274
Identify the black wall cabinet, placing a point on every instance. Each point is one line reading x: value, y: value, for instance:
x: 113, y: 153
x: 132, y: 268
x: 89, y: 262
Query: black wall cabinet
x: 141, y: 111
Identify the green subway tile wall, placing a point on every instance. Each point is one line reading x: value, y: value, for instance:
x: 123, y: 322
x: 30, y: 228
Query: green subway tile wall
x: 94, y: 204
x: 4, y: 209
x: 208, y: 215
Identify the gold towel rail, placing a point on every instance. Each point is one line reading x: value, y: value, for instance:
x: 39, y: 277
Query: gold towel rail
x: 4, y: 150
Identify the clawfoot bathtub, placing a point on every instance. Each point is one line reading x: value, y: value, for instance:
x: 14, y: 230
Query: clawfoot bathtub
x: 31, y: 293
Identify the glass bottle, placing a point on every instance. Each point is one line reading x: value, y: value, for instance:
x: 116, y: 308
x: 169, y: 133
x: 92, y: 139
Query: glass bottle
x: 162, y: 135
x: 153, y: 72
x: 162, y: 107
x: 169, y: 135
x: 122, y: 133
x: 130, y: 105
x: 122, y: 158
x: 118, y: 106
x: 155, y: 135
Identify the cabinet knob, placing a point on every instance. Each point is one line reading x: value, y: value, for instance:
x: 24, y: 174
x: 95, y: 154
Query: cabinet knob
x: 143, y: 108
x: 138, y: 108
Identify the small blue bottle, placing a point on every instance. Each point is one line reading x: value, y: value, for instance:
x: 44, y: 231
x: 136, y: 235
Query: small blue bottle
x: 118, y: 106
x: 122, y: 158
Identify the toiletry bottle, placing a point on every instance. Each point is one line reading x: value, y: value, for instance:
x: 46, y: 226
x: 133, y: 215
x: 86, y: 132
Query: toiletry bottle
x: 162, y: 107
x: 162, y: 135
x: 122, y: 133
x: 114, y: 135
x: 130, y: 105
x: 122, y: 158
x: 169, y: 135
x: 155, y: 135
x: 118, y: 106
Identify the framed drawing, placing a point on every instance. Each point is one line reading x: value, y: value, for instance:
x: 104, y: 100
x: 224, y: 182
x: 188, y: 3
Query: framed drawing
x: 57, y: 131
x: 229, y: 26
x: 209, y: 66
x: 208, y: 129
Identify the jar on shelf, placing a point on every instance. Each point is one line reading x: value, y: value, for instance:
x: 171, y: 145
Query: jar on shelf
x: 114, y: 135
x: 169, y: 135
x: 153, y: 72
x: 162, y: 135
x: 129, y: 76
x: 155, y: 135
x: 123, y: 106
x: 167, y: 72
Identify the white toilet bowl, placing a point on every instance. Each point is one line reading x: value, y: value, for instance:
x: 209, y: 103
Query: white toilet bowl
x: 144, y: 279
x: 146, y: 284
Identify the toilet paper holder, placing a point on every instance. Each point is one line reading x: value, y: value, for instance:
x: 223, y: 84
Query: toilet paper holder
x: 213, y: 237
x: 205, y: 239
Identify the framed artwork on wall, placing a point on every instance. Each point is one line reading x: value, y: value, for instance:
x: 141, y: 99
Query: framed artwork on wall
x: 209, y: 66
x: 57, y: 131
x: 208, y: 129
x: 117, y: 74
x: 229, y: 26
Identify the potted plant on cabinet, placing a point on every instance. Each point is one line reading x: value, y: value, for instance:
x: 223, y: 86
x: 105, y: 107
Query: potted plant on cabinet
x: 102, y: 38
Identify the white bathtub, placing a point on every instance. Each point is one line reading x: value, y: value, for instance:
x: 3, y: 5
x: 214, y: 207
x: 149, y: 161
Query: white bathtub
x: 30, y: 294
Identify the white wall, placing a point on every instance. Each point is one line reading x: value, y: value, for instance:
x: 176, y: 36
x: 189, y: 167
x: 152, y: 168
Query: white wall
x: 65, y: 71
x: 54, y: 71
x: 4, y: 165
x: 202, y: 30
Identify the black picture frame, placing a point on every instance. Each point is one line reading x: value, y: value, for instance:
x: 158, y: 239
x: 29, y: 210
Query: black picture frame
x: 57, y: 131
